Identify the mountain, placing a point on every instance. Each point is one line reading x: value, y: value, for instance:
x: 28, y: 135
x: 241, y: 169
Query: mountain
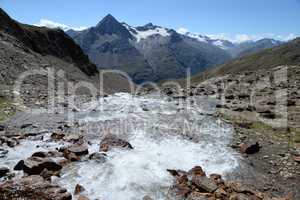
x: 237, y: 49
x: 47, y: 42
x: 285, y: 54
x: 146, y: 53
x: 24, y: 47
x: 250, y: 47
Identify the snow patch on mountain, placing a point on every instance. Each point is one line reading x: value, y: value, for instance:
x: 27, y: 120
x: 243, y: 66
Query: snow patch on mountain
x: 143, y: 34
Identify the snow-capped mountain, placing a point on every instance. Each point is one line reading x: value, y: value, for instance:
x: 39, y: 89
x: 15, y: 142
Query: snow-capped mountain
x: 146, y: 53
x: 152, y: 53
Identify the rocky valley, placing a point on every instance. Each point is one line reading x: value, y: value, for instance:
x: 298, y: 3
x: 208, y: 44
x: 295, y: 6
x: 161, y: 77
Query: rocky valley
x: 107, y: 113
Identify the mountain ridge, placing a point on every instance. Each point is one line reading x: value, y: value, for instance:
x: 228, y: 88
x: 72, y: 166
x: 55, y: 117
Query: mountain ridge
x: 146, y: 53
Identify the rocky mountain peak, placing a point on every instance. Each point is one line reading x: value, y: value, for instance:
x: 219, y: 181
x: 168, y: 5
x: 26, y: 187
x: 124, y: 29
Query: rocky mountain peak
x: 146, y: 27
x: 110, y: 25
x: 108, y: 19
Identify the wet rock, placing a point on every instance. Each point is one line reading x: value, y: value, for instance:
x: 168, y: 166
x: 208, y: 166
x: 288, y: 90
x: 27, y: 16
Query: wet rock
x: 75, y: 139
x: 71, y: 156
x: 3, y: 153
x: 239, y: 196
x: 2, y: 127
x: 198, y: 196
x: 3, y: 171
x: 40, y: 154
x: 99, y: 157
x: 250, y: 149
x: 32, y: 187
x: 10, y: 142
x: 46, y: 174
x: 35, y: 165
x: 229, y: 97
x: 81, y: 197
x: 217, y: 179
x: 78, y: 189
x: 178, y: 192
x: 196, y: 171
x: 19, y: 166
x: 64, y: 162
x: 78, y: 150
x: 57, y: 136
x: 112, y: 141
x: 220, y: 193
x: 23, y: 126
x: 173, y: 172
x: 147, y: 198
x: 205, y: 184
x: 296, y: 159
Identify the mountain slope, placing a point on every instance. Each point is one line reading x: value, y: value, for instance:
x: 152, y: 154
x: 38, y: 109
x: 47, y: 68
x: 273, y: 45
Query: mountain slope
x: 146, y: 53
x: 250, y: 47
x: 24, y: 48
x: 47, y: 42
x: 236, y: 49
x: 286, y: 54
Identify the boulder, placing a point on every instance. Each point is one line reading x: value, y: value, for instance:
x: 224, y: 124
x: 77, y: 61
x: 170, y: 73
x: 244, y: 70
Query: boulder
x: 35, y: 165
x: 198, y: 196
x: 78, y: 150
x: 98, y: 157
x: 46, y: 174
x: 250, y: 149
x: 81, y: 197
x: 71, y: 156
x: 32, y: 187
x: 204, y: 184
x: 3, y: 171
x: 57, y: 136
x: 40, y: 154
x: 147, y: 198
x: 78, y: 189
x: 296, y: 159
x: 196, y: 171
x: 2, y: 127
x: 112, y: 141
x: 3, y: 153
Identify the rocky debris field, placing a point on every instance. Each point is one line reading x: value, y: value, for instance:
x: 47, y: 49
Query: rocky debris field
x: 264, y: 108
x: 44, y: 156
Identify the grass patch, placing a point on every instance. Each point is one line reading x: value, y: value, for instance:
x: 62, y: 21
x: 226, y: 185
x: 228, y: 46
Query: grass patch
x: 261, y: 127
x: 6, y: 109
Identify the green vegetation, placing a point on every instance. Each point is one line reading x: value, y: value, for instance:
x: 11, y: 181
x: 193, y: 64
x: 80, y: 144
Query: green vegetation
x: 6, y: 109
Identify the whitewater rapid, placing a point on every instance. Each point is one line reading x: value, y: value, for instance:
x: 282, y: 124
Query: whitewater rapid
x: 165, y: 134
x: 160, y: 142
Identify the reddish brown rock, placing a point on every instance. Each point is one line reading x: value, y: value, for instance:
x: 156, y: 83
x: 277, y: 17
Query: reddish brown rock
x: 111, y: 141
x: 32, y: 187
x: 57, y: 136
x: 71, y: 156
x: 204, y: 184
x: 196, y: 171
x: 35, y: 165
x: 250, y: 149
x: 81, y: 197
x: 296, y: 159
x: 78, y: 189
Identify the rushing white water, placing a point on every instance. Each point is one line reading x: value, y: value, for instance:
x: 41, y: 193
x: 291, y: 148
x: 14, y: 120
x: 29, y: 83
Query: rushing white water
x: 132, y: 174
x: 164, y: 135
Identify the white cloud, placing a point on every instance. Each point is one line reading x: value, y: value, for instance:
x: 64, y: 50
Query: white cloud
x: 52, y: 24
x: 238, y: 38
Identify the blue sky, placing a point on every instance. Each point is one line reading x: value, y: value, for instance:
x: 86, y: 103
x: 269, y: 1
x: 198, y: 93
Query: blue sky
x: 231, y: 19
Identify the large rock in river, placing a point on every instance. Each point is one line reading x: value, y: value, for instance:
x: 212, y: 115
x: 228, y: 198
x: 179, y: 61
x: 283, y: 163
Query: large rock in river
x: 32, y: 187
x: 112, y: 141
x: 35, y: 165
